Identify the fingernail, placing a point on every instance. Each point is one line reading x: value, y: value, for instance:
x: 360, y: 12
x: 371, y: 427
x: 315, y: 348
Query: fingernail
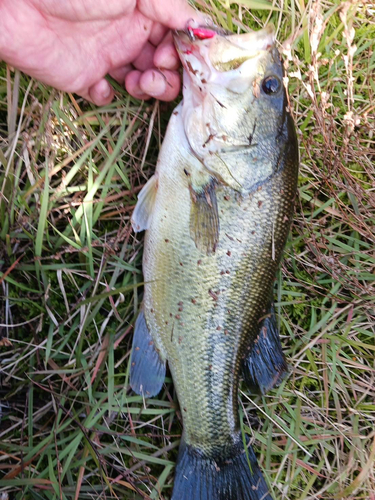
x: 100, y: 92
x: 154, y: 83
x: 103, y: 88
x: 106, y: 92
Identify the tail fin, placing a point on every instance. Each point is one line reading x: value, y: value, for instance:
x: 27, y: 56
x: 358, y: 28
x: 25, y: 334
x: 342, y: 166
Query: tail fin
x: 199, y: 477
x: 266, y: 366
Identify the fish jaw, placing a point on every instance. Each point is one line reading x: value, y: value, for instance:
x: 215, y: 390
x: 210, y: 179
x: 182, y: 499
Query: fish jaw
x: 211, y: 56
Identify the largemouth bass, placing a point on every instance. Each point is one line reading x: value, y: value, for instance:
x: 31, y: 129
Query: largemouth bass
x: 217, y: 213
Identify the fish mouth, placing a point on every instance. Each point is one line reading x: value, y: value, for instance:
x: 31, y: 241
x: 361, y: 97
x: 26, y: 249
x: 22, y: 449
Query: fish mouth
x: 221, y: 48
x: 210, y: 54
x: 193, y: 46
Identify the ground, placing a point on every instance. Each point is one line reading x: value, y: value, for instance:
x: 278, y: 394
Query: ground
x: 71, y: 281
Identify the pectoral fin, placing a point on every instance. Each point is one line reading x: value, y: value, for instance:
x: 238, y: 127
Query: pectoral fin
x: 147, y: 369
x: 265, y: 366
x: 204, y: 218
x: 143, y: 210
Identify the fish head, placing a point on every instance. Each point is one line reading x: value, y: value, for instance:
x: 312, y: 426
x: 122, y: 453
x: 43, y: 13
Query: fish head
x: 234, y: 100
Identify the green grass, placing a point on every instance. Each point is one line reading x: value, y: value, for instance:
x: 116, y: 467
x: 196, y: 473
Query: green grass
x: 71, y: 281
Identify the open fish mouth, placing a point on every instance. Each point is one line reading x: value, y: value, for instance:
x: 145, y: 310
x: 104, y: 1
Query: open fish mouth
x: 211, y: 54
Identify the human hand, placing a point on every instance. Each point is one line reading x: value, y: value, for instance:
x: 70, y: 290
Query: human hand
x: 73, y: 45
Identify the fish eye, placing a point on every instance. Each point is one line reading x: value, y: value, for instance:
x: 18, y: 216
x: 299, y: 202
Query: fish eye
x: 271, y: 85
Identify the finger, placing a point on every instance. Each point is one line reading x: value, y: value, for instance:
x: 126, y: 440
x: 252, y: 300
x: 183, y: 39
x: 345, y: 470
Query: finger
x: 101, y: 93
x: 164, y: 85
x: 174, y: 13
x: 166, y: 55
x: 119, y: 74
x: 132, y: 85
x: 145, y: 59
x: 157, y: 33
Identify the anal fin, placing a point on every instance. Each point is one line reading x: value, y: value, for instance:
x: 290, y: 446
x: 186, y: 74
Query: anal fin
x: 143, y: 210
x: 204, y: 218
x: 266, y: 366
x: 147, y: 370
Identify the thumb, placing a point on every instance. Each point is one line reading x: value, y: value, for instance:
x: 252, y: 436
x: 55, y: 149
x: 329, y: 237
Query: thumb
x: 171, y: 13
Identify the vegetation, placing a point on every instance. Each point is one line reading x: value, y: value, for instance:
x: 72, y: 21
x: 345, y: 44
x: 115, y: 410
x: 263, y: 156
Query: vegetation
x: 71, y: 281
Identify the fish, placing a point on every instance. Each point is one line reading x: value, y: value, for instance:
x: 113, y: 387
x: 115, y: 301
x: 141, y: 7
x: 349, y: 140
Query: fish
x: 216, y: 215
